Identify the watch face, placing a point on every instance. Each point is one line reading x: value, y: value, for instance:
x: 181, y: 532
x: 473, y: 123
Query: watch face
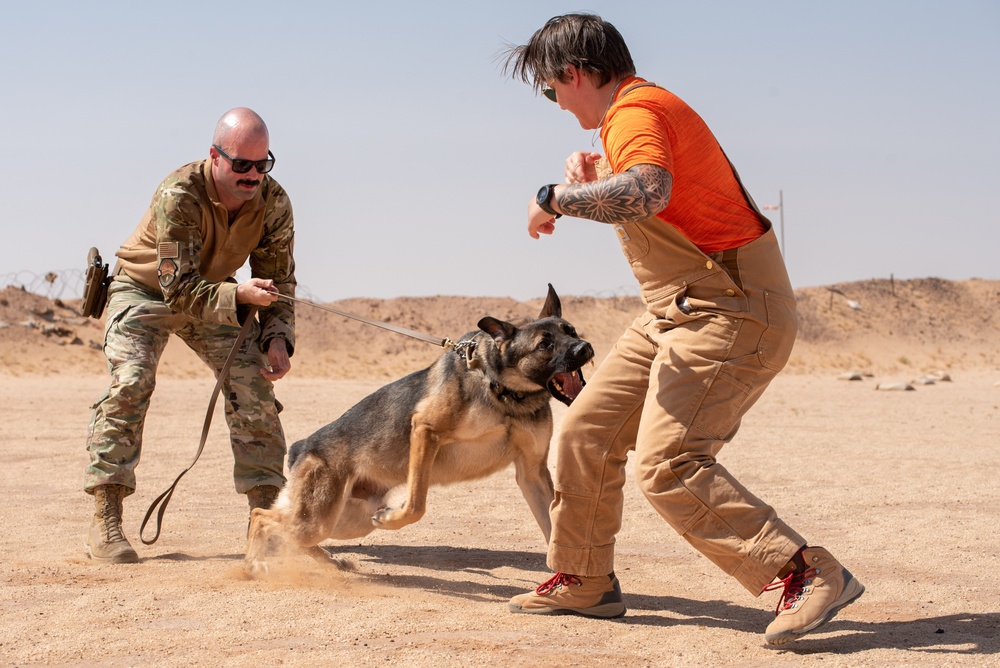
x: 543, y: 196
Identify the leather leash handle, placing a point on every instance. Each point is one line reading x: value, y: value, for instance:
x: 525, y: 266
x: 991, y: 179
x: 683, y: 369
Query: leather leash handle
x: 165, y: 496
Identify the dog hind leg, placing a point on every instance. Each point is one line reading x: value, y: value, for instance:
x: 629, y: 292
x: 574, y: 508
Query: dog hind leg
x: 265, y: 536
x: 305, y: 513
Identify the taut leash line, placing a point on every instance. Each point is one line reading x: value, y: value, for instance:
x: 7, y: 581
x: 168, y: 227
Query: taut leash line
x: 443, y: 343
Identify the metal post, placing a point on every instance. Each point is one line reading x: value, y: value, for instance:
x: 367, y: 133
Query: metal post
x: 781, y: 217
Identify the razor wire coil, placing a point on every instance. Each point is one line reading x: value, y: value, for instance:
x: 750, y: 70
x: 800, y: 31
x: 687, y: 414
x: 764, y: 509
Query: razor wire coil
x: 68, y: 283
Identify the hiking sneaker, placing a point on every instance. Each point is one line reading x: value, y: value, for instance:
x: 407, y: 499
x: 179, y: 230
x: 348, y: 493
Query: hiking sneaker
x: 106, y: 541
x: 813, y: 594
x: 563, y: 593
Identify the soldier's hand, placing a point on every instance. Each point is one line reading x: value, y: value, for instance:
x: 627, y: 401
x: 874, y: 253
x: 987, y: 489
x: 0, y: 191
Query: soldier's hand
x: 259, y: 291
x: 277, y: 358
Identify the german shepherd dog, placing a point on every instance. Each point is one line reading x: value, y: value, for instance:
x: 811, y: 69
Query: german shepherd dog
x: 477, y: 409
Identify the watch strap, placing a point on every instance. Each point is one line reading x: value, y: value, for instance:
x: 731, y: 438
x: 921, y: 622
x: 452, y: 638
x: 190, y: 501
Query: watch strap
x: 544, y: 203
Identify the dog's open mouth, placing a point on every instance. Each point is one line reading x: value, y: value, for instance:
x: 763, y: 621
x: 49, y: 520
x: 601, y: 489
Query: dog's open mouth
x: 567, y: 386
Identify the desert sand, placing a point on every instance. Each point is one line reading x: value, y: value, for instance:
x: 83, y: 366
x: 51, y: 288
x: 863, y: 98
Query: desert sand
x: 900, y: 485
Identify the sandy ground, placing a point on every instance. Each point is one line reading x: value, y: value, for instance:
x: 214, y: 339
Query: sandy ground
x: 901, y: 486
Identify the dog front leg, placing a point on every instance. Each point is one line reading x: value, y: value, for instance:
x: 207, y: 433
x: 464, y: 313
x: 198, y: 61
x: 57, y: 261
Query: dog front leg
x: 535, y: 482
x: 424, y: 447
x: 531, y: 471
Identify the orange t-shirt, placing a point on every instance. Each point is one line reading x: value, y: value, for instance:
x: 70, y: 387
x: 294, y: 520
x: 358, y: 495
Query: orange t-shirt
x: 652, y: 126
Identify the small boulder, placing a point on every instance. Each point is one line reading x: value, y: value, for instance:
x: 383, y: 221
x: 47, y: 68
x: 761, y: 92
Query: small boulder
x: 894, y: 387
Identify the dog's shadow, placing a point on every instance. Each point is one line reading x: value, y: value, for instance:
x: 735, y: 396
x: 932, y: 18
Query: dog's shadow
x: 442, y: 557
x: 969, y: 634
x: 183, y: 556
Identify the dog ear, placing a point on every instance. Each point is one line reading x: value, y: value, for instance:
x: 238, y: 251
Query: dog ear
x: 552, y: 306
x: 500, y: 331
x: 471, y: 360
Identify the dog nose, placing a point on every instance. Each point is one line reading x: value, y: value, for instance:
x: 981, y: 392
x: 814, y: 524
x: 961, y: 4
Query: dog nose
x: 582, y: 351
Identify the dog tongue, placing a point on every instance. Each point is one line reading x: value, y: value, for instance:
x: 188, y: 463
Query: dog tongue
x: 571, y: 384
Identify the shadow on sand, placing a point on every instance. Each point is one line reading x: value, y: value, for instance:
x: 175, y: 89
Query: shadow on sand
x: 959, y: 634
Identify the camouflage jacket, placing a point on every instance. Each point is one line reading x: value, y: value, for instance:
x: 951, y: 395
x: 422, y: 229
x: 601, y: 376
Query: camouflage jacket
x: 185, y: 248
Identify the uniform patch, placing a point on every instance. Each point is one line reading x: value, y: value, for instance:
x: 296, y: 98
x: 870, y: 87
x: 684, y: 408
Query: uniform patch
x: 170, y: 250
x: 166, y: 271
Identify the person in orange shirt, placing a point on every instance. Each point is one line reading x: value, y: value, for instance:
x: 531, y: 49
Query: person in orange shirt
x: 719, y: 325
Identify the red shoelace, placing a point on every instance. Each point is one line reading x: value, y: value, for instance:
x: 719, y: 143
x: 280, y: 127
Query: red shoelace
x: 793, y: 583
x: 557, y: 580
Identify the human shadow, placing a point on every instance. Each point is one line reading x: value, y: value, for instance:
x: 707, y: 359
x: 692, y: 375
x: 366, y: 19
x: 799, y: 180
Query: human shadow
x: 966, y: 634
x: 963, y: 634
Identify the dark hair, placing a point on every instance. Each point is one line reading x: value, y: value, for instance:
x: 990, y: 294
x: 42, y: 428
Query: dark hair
x: 584, y: 40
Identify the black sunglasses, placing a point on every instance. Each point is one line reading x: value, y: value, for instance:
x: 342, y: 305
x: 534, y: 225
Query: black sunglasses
x: 550, y: 93
x: 242, y: 165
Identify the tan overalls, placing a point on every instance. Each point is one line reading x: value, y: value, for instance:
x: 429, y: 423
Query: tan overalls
x: 674, y: 388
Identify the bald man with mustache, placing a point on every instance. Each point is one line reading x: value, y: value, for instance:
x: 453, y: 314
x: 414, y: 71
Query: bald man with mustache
x: 175, y: 275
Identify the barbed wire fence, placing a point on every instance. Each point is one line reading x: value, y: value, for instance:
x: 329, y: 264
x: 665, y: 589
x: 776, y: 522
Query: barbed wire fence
x: 59, y: 284
x: 68, y: 284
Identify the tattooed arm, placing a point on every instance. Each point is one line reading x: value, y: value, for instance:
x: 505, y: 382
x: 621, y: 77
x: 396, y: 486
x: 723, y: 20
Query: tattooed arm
x: 640, y: 193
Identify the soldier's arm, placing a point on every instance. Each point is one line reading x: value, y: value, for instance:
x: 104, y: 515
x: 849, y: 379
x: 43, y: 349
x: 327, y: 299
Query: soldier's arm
x: 273, y: 259
x: 177, y: 213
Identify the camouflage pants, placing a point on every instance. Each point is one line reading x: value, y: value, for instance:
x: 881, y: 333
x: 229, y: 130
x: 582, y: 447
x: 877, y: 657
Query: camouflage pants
x: 137, y: 326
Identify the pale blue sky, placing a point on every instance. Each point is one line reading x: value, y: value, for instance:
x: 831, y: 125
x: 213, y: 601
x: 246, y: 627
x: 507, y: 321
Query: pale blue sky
x: 410, y: 159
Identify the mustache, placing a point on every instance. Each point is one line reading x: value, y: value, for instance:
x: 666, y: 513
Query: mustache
x: 248, y: 182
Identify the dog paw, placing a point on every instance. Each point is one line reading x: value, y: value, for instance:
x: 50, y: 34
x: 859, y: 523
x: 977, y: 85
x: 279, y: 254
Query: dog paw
x: 257, y: 569
x: 389, y: 518
x: 323, y: 557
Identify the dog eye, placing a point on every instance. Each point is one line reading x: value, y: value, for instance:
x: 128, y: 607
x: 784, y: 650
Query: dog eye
x: 544, y: 344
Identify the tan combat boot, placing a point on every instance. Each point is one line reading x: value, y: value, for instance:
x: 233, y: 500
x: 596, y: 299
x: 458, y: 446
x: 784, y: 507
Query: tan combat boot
x: 105, y: 541
x: 599, y: 596
x: 262, y: 496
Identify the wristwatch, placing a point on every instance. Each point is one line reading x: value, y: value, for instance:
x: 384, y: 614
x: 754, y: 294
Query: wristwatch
x: 544, y: 196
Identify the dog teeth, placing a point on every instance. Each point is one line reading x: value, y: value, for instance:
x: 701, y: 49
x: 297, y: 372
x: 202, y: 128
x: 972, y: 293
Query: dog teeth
x: 557, y: 386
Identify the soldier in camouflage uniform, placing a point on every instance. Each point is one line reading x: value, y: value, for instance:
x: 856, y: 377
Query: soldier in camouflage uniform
x: 175, y: 274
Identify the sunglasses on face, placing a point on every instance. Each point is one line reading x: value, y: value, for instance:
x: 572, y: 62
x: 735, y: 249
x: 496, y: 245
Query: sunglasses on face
x: 549, y: 93
x: 242, y: 165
